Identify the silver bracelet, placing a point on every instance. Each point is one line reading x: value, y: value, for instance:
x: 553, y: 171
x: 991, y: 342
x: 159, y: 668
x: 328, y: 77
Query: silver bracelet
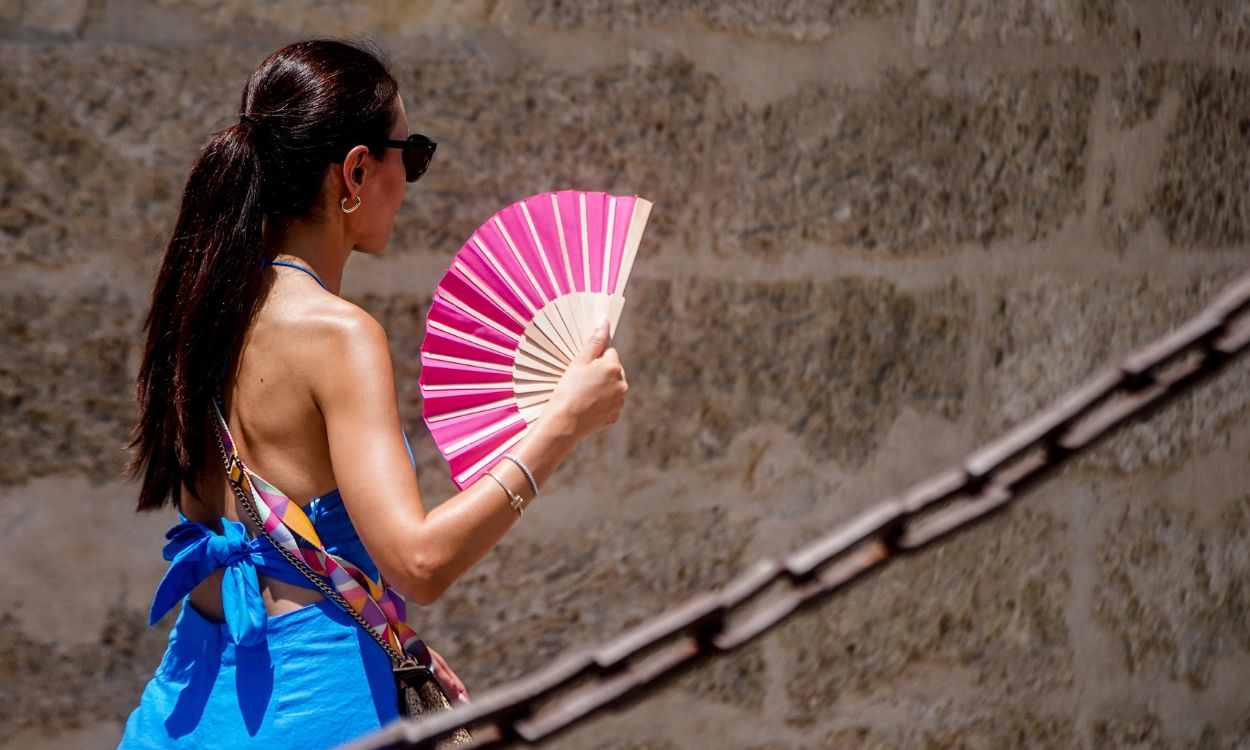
x: 525, y: 469
x: 514, y: 499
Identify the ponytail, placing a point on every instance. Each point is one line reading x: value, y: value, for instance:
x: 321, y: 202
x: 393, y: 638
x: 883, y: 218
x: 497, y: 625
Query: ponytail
x: 206, y: 292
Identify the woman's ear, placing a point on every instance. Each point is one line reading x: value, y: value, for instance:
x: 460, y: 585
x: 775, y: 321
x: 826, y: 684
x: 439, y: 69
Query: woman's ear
x: 355, y: 170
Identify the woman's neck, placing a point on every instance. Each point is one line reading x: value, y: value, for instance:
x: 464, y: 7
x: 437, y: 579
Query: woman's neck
x: 317, y: 245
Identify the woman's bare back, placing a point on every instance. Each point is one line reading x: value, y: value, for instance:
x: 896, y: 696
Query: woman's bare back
x: 276, y: 423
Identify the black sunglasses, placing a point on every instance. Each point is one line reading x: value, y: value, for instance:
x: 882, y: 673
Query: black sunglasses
x: 418, y: 150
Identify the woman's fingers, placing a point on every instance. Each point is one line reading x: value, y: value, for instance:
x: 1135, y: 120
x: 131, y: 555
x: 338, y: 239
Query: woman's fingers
x: 451, y: 684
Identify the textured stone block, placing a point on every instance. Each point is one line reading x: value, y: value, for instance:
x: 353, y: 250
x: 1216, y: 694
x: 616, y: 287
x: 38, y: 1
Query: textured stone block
x: 10, y: 12
x: 1025, y: 730
x: 1202, y: 195
x: 798, y: 21
x: 917, y: 164
x: 1199, y: 191
x: 506, y: 132
x: 534, y: 598
x: 1036, y: 358
x: 314, y: 18
x: 1140, y: 113
x: 1172, y: 589
x: 1012, y: 729
x: 1148, y: 732
x: 985, y: 609
x: 55, y: 17
x: 116, y: 129
x: 103, y: 734
x: 1222, y: 23
x: 636, y: 745
x: 938, y: 22
x: 45, y: 686
x: 738, y: 679
x: 1136, y: 92
x: 832, y: 362
x: 66, y: 382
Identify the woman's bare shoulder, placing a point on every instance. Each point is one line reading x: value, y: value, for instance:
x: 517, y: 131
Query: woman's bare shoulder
x: 338, y: 330
x: 342, y: 342
x: 325, y: 345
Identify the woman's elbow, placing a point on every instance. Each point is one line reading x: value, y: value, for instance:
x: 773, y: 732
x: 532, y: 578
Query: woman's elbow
x: 425, y: 596
x: 425, y: 580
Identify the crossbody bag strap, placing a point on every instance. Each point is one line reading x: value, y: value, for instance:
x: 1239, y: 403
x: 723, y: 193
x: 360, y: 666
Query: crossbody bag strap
x: 399, y: 641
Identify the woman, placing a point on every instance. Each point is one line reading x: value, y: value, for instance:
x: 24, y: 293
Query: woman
x: 246, y: 308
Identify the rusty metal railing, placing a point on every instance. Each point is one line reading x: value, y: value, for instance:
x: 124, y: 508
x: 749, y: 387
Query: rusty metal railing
x: 548, y: 701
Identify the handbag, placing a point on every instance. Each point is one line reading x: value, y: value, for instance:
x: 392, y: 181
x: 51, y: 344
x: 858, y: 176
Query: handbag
x: 418, y: 690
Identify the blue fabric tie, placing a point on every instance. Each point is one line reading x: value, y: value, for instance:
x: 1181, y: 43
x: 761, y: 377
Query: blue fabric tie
x: 195, y: 551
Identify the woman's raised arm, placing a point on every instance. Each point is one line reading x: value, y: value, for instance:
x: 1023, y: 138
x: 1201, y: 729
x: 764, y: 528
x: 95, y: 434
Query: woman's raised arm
x: 422, y: 553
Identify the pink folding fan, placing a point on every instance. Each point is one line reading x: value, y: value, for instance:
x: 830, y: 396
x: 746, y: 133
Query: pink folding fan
x: 519, y: 301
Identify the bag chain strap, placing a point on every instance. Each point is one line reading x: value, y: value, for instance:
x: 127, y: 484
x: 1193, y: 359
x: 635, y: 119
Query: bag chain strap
x: 398, y: 662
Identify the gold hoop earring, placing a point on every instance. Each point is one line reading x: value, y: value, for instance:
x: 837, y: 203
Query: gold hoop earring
x: 343, y: 205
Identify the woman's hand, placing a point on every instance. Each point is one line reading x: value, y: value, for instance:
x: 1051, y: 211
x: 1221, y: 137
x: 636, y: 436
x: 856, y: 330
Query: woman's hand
x: 450, y: 683
x: 591, y: 393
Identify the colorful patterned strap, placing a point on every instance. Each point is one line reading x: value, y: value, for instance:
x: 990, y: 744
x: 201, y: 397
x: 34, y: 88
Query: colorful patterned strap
x: 380, y: 606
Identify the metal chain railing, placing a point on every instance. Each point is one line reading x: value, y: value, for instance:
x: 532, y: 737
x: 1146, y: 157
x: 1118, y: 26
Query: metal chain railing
x: 548, y: 701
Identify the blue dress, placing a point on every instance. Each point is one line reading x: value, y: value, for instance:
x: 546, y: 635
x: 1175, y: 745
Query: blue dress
x: 311, y: 678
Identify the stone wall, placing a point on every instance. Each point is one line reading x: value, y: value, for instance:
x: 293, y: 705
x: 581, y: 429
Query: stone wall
x: 884, y: 231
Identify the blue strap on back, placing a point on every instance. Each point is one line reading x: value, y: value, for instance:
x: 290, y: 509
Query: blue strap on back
x: 305, y: 270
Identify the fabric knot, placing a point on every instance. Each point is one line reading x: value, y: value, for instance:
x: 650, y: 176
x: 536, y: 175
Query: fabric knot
x: 228, y: 547
x: 195, y: 551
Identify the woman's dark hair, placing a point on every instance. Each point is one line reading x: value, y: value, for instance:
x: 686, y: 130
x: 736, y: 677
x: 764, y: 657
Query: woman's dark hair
x: 302, y: 110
